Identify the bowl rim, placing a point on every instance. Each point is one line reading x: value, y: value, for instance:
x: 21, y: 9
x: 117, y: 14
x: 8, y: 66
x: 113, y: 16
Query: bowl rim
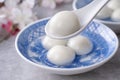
x: 63, y: 69
x: 103, y: 21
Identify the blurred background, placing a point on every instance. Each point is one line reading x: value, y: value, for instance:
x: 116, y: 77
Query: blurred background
x: 14, y: 16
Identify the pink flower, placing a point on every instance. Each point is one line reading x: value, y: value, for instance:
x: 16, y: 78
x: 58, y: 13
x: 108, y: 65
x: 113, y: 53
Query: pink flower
x: 10, y: 28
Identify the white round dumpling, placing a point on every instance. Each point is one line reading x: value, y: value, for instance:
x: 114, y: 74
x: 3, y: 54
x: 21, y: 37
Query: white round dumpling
x: 63, y: 23
x: 104, y: 13
x: 114, y: 4
x: 116, y: 15
x: 82, y: 45
x: 49, y: 42
x: 61, y: 55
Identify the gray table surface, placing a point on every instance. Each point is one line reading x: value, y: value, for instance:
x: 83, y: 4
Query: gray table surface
x: 13, y: 67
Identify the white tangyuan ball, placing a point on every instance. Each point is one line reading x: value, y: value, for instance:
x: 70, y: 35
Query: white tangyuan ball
x: 50, y: 42
x: 104, y: 13
x: 114, y: 4
x: 116, y: 15
x: 63, y: 23
x: 61, y: 55
x: 82, y: 45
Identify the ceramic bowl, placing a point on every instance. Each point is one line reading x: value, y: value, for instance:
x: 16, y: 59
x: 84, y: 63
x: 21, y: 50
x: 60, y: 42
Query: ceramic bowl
x: 29, y: 47
x: 115, y: 26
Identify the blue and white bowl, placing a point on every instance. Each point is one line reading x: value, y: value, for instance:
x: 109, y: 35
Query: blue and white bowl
x: 114, y: 25
x: 28, y: 45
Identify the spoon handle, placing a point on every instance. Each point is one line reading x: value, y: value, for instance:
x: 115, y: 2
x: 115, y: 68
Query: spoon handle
x: 88, y: 12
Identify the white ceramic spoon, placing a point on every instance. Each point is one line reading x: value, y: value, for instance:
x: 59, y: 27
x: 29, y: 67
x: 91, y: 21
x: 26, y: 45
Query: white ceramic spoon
x: 85, y: 16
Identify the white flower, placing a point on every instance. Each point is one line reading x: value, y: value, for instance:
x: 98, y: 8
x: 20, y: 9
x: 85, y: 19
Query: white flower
x: 11, y: 3
x: 23, y: 17
x: 27, y: 4
x: 48, y: 3
x: 4, y: 12
x: 1, y: 1
x: 19, y: 12
x: 2, y: 16
x: 52, y: 3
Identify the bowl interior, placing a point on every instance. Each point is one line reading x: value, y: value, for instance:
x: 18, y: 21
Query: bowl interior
x: 81, y: 3
x: 28, y: 44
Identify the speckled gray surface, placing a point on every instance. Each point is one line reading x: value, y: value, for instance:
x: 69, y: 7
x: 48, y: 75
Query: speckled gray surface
x: 13, y: 67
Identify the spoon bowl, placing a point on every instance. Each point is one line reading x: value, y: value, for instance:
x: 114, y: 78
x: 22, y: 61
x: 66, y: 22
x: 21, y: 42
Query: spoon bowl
x: 84, y: 18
